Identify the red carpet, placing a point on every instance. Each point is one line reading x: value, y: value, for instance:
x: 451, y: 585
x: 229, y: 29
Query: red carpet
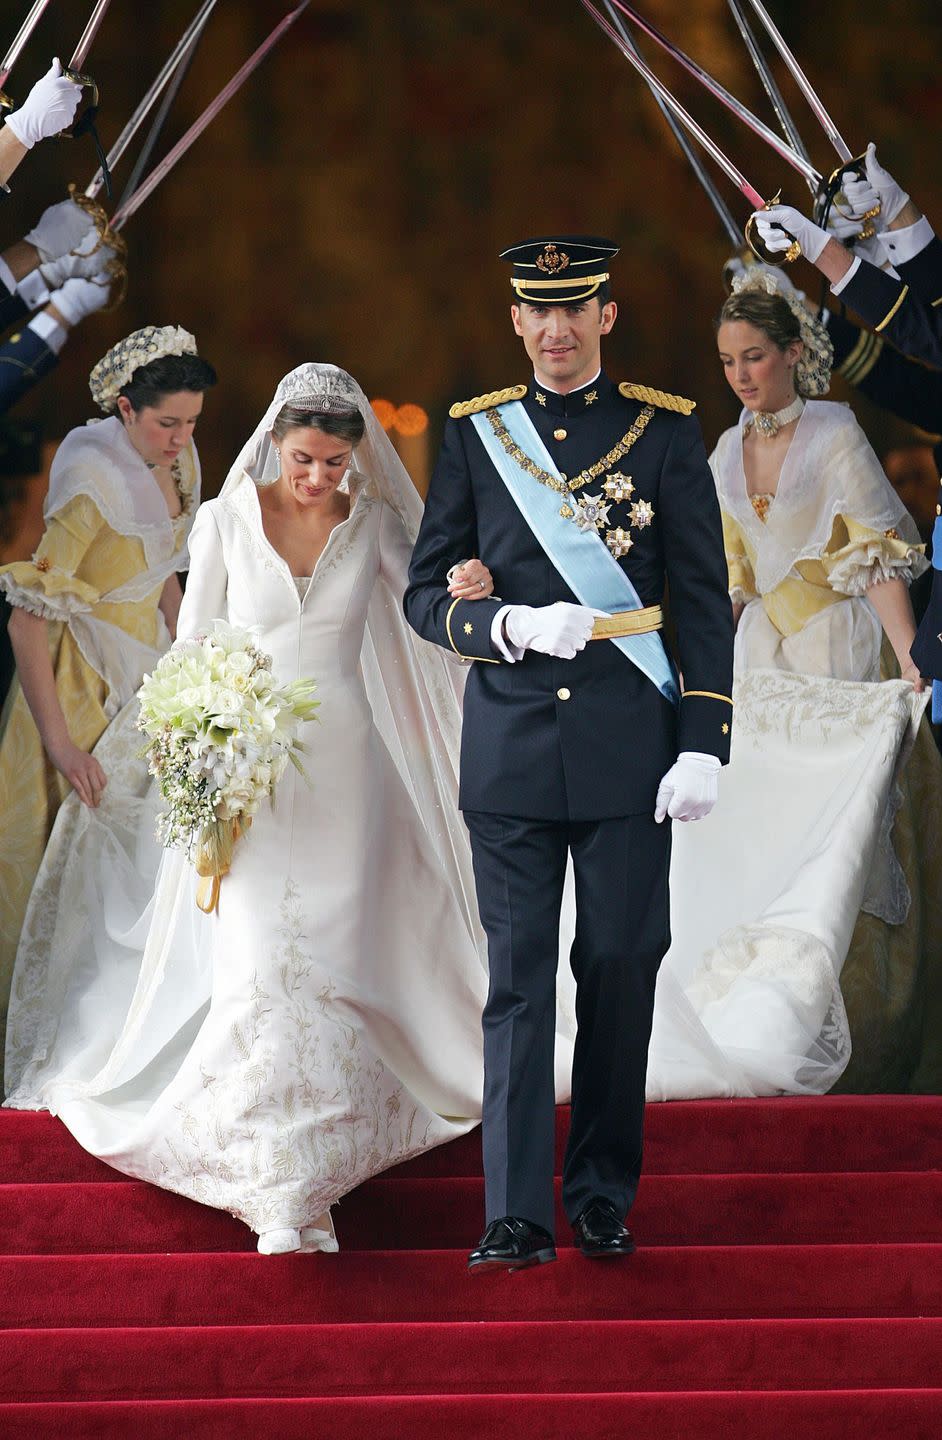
x: 789, y: 1275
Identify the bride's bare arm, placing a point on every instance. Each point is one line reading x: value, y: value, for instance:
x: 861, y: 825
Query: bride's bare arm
x: 890, y: 599
x: 34, y: 669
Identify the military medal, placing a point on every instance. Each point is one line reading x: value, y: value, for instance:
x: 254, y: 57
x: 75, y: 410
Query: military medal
x: 641, y: 514
x: 619, y: 542
x: 618, y: 487
x: 592, y: 511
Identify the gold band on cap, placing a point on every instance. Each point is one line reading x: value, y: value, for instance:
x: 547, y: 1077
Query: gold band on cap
x: 594, y: 280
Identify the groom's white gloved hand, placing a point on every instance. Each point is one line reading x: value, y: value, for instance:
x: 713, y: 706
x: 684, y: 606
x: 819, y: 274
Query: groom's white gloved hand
x: 688, y: 790
x: 561, y: 629
x: 48, y: 109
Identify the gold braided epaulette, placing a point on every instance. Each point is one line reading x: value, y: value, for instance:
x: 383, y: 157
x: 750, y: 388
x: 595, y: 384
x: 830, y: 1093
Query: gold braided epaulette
x: 486, y: 402
x: 631, y: 391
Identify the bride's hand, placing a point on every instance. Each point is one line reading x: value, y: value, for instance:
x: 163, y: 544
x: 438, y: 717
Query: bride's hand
x: 82, y: 771
x: 471, y: 580
x: 911, y: 673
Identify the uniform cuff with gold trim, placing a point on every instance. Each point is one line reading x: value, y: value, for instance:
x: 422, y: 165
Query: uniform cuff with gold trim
x: 705, y: 723
x: 468, y: 629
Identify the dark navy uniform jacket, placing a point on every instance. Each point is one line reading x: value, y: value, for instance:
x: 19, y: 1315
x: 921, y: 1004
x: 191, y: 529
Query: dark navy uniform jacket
x: 909, y: 390
x: 906, y: 311
x: 588, y: 738
x: 24, y: 357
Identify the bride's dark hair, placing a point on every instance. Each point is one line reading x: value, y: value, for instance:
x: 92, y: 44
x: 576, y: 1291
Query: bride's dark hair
x: 346, y: 425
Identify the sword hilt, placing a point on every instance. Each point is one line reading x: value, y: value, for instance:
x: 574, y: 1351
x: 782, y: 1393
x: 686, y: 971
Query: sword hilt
x: 830, y: 193
x: 87, y: 83
x: 7, y: 103
x: 757, y: 245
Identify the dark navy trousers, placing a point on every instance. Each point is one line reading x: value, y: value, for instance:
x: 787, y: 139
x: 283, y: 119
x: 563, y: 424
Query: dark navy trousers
x: 622, y: 932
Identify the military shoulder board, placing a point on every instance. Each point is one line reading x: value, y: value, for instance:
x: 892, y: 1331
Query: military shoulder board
x: 648, y: 396
x: 486, y: 402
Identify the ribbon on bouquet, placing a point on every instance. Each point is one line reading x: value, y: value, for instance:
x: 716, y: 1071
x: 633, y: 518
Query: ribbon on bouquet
x: 214, y: 859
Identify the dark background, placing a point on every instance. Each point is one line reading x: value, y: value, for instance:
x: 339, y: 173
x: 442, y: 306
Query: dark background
x: 350, y: 202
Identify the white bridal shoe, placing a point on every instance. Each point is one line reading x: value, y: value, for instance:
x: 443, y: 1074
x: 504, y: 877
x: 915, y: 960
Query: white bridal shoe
x: 307, y: 1240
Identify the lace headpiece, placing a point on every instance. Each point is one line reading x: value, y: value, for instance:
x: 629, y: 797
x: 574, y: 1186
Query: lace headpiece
x: 115, y: 369
x: 813, y: 370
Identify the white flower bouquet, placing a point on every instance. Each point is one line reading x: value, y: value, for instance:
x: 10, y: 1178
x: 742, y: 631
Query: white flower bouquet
x: 221, y: 733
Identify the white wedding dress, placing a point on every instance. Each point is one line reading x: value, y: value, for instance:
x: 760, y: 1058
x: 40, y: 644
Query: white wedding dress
x: 326, y: 1022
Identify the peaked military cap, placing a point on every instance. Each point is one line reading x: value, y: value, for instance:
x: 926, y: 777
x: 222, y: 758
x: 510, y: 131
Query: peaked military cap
x: 559, y: 269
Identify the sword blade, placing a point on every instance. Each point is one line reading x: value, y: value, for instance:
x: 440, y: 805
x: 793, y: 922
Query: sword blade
x: 769, y: 84
x: 159, y: 172
x: 88, y: 35
x: 674, y: 105
x: 178, y: 55
x: 19, y: 44
x: 781, y: 148
x: 804, y: 84
x: 720, y: 206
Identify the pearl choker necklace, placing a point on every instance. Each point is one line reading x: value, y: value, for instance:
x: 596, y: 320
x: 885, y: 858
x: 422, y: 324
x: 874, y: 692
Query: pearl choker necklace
x: 769, y: 422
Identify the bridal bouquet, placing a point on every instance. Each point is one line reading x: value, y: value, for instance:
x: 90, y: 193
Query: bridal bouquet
x: 220, y: 735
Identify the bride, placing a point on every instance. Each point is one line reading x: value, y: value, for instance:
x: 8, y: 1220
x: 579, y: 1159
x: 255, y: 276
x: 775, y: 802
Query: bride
x: 325, y: 1023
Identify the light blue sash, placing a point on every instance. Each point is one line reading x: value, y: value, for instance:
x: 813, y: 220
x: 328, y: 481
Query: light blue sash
x: 581, y: 556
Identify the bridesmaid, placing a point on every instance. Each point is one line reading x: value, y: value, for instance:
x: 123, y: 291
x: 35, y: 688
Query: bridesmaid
x: 97, y: 604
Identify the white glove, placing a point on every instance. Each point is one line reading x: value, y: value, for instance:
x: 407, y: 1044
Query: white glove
x: 859, y: 196
x: 80, y: 298
x: 810, y: 236
x: 48, y: 109
x: 892, y: 196
x: 87, y: 259
x: 561, y: 629
x: 59, y: 229
x: 688, y: 790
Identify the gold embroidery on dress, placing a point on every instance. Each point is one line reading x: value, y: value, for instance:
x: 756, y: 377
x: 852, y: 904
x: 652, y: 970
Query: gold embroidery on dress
x: 761, y: 504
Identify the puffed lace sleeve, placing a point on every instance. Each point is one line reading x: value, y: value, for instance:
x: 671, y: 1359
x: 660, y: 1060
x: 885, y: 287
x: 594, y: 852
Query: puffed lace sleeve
x: 48, y: 584
x: 858, y: 556
x: 742, y: 581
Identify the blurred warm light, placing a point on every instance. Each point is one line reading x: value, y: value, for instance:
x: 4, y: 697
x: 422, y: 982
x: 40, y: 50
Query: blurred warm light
x: 411, y: 420
x: 385, y: 412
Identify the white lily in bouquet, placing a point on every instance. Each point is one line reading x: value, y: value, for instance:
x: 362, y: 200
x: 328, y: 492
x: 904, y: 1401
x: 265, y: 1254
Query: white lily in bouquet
x: 221, y: 732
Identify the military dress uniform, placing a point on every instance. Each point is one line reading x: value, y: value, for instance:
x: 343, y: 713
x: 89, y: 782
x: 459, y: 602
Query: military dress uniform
x: 912, y: 317
x: 565, y: 756
x: 25, y: 357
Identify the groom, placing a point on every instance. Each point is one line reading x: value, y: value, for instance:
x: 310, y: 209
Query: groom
x: 582, y: 496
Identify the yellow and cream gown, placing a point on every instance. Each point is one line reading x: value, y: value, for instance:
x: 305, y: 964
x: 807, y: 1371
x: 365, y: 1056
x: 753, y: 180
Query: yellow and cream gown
x: 97, y: 576
x: 795, y: 928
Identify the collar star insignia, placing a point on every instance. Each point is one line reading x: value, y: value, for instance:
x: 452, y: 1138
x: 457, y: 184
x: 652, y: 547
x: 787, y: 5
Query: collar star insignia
x: 641, y: 514
x: 591, y: 396
x: 618, y: 487
x: 540, y: 397
x: 592, y: 512
x: 619, y: 542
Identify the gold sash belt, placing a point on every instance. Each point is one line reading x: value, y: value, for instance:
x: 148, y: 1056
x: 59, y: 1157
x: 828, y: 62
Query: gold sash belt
x: 628, y: 622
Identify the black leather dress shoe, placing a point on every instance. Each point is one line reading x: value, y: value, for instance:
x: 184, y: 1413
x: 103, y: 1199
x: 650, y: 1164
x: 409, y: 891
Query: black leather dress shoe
x: 600, y: 1231
x: 512, y: 1244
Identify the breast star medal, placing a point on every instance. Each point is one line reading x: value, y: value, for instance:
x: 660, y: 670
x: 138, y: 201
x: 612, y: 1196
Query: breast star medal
x: 592, y: 513
x: 641, y: 514
x: 619, y: 542
x: 618, y: 487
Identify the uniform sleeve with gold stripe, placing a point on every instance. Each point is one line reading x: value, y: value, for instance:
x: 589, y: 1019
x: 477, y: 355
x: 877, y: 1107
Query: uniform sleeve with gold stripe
x: 24, y: 359
x: 698, y: 581
x: 895, y: 311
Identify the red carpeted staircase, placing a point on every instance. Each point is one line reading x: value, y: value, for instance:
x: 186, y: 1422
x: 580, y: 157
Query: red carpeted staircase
x: 789, y: 1276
